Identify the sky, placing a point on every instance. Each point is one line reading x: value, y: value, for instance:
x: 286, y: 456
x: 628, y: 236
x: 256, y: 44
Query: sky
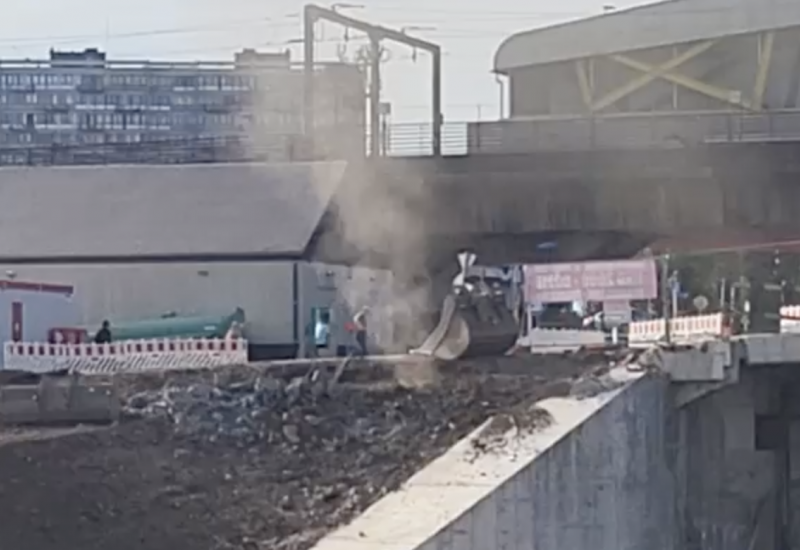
x: 468, y: 31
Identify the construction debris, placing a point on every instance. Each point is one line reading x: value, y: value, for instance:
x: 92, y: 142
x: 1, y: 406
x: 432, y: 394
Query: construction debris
x: 521, y: 420
x: 593, y: 385
x: 247, y: 459
x: 241, y: 413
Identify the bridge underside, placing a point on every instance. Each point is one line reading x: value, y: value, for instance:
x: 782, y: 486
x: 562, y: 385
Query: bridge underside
x: 563, y: 206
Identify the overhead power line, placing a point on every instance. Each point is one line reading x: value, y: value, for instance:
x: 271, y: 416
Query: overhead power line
x: 412, y: 15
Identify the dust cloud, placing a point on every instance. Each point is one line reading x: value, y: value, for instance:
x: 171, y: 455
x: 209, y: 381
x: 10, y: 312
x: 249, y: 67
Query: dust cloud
x: 381, y: 217
x: 380, y: 207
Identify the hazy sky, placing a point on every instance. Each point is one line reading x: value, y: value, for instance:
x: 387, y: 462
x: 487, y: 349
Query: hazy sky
x: 468, y: 31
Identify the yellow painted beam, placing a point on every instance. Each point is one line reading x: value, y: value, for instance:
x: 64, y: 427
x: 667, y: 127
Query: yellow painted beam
x: 652, y: 74
x: 730, y: 97
x: 583, y: 82
x: 766, y: 46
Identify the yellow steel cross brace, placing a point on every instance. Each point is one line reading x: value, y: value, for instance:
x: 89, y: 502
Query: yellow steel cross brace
x: 766, y: 44
x: 652, y: 74
x: 731, y: 97
x: 583, y: 82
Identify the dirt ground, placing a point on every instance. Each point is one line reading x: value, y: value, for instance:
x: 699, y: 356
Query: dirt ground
x: 144, y: 485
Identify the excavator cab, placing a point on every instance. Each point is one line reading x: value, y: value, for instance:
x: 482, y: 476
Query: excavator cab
x: 475, y: 320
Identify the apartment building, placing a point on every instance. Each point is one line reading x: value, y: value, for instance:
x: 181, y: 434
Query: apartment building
x: 80, y: 107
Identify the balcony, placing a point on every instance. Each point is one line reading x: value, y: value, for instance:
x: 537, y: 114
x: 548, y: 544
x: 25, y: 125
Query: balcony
x: 21, y: 88
x: 220, y: 108
x: 90, y: 87
x: 135, y: 109
x: 61, y: 108
x: 91, y: 129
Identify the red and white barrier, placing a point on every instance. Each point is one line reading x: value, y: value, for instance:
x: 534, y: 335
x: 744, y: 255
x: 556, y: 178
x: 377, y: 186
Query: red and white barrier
x: 793, y: 323
x: 693, y: 329
x: 127, y: 356
x: 698, y: 328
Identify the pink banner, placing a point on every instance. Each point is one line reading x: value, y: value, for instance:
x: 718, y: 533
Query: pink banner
x: 591, y: 281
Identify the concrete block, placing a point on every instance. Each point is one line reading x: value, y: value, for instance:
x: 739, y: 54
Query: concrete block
x: 772, y: 349
x: 708, y: 363
x: 59, y: 401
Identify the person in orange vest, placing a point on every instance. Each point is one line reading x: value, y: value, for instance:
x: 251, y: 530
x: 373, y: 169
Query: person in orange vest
x: 235, y: 332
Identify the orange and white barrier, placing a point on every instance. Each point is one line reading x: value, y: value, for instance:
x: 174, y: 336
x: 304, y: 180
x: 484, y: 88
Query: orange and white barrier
x: 126, y: 356
x: 696, y: 328
x: 792, y: 323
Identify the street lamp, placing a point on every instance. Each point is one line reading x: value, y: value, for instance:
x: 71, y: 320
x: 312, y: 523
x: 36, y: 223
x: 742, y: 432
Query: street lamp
x: 346, y: 6
x: 407, y: 28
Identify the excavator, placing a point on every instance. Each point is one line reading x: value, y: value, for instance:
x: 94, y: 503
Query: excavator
x: 475, y: 320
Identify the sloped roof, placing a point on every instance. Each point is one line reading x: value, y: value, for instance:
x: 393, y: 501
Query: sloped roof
x: 649, y: 26
x: 162, y: 211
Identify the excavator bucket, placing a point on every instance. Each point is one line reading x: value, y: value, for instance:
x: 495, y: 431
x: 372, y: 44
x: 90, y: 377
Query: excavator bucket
x: 57, y: 399
x: 475, y: 321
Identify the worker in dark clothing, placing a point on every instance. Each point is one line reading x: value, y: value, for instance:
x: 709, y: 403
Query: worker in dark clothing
x: 103, y: 335
x: 360, y: 322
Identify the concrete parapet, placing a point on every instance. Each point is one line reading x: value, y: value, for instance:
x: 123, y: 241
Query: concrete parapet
x: 771, y: 349
x: 709, y: 362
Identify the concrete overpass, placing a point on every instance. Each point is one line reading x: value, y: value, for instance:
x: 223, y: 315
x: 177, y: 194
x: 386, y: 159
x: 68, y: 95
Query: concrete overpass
x: 593, y: 204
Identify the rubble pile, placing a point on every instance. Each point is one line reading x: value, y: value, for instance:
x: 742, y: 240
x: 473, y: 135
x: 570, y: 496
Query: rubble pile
x: 248, y: 461
x: 239, y: 413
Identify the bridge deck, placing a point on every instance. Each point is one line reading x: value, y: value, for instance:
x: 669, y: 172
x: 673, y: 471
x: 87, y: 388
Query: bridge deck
x: 593, y: 204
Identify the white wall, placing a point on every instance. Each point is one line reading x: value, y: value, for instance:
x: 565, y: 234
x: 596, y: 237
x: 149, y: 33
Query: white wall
x: 132, y: 292
x: 41, y: 311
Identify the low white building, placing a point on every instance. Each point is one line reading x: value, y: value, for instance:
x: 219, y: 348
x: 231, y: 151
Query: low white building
x: 279, y: 298
x: 138, y: 242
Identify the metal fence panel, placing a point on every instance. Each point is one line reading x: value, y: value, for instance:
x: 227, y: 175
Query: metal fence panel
x: 630, y: 131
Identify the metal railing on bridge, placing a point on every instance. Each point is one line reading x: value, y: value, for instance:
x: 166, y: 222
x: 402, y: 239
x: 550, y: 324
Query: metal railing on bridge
x: 416, y: 139
x: 622, y: 131
x: 631, y: 131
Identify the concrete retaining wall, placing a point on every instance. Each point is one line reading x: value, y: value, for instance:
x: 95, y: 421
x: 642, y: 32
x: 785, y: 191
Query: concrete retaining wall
x: 605, y: 485
x: 596, y: 479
